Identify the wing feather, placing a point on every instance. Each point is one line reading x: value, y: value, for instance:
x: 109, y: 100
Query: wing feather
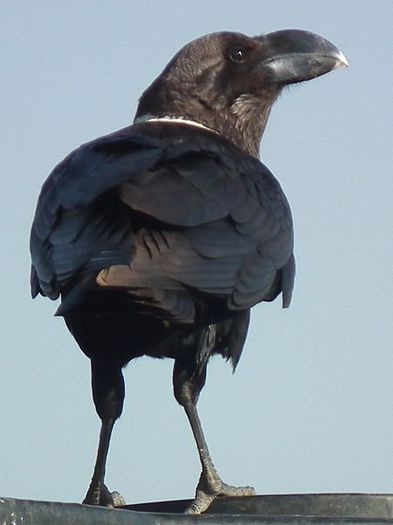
x: 160, y: 218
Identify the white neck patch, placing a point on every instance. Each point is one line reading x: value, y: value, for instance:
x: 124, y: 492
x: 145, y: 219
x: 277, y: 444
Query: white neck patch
x: 179, y: 120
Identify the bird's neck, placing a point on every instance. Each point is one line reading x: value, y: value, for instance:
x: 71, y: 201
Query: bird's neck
x: 244, y: 138
x: 242, y: 122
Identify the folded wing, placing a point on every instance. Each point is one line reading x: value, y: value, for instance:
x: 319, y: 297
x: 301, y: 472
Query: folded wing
x: 167, y: 223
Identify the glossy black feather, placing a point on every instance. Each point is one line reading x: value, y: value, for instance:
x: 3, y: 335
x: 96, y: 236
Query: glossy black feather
x: 196, y: 216
x: 160, y: 237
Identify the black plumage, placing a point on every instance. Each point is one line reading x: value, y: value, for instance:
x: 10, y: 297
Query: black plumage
x: 160, y: 237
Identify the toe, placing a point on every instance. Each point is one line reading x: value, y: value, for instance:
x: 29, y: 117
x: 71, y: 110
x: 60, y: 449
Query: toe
x: 229, y: 490
x: 98, y: 494
x: 201, y: 502
x: 117, y: 499
x: 207, y: 491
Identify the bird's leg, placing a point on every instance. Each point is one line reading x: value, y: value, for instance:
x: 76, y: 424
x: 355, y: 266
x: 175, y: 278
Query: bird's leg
x: 210, y: 484
x: 98, y: 493
x: 108, y: 395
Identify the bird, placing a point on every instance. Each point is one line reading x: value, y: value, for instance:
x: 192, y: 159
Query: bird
x: 160, y: 237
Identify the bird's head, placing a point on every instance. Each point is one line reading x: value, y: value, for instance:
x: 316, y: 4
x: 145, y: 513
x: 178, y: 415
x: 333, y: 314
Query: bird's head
x: 228, y: 82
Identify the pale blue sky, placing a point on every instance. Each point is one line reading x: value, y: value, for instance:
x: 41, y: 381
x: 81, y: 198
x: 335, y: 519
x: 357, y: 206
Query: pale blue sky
x: 310, y: 407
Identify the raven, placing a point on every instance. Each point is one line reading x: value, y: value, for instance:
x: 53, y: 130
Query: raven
x: 161, y: 236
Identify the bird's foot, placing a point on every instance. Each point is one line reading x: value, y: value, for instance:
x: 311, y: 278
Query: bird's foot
x: 99, y: 494
x: 211, y: 487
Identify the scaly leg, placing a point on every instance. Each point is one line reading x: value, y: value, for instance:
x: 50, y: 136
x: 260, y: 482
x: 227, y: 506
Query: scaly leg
x: 210, y: 486
x: 108, y: 395
x: 98, y: 493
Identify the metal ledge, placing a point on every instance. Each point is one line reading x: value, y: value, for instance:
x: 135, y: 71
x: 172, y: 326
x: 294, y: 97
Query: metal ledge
x: 295, y: 509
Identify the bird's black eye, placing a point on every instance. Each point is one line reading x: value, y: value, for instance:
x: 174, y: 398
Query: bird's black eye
x: 237, y: 54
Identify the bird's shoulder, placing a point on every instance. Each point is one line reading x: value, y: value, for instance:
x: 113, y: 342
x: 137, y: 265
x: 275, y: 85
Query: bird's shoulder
x: 175, y: 174
x: 137, y: 155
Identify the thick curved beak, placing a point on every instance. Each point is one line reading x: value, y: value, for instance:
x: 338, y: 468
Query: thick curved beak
x: 293, y: 56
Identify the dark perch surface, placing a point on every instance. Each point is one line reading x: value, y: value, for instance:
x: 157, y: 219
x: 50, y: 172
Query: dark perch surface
x: 336, y: 505
x: 296, y: 509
